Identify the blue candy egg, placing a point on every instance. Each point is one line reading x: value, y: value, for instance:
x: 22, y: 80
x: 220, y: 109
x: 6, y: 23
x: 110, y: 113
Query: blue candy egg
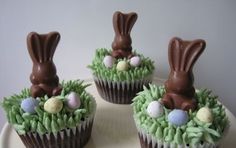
x: 29, y: 104
x: 178, y: 117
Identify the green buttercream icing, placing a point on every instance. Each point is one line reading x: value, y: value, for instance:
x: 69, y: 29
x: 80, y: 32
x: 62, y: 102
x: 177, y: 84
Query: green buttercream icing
x: 194, y: 131
x: 99, y: 70
x: 43, y: 122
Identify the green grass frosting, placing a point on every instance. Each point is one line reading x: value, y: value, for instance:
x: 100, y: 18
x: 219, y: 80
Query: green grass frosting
x: 133, y: 73
x: 194, y: 131
x: 43, y: 122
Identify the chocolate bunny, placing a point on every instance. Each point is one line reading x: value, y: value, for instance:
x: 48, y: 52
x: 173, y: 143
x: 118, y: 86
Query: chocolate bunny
x: 179, y: 86
x: 123, y: 24
x: 44, y: 79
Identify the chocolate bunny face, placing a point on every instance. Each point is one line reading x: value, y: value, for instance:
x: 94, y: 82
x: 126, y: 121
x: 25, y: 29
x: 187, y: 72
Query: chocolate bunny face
x: 123, y: 24
x: 179, y: 86
x: 44, y: 79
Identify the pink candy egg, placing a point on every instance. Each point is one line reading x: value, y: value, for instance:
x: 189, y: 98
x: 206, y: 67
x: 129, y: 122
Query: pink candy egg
x: 135, y: 61
x: 108, y: 61
x: 73, y: 101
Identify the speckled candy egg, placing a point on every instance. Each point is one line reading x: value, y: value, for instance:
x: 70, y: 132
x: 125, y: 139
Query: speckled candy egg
x: 108, y: 61
x: 73, y: 101
x: 178, y: 117
x: 29, y: 104
x: 155, y: 109
x: 122, y: 66
x: 204, y: 114
x: 53, y: 105
x: 135, y: 61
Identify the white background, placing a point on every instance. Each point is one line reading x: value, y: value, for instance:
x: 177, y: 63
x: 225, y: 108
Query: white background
x: 87, y: 24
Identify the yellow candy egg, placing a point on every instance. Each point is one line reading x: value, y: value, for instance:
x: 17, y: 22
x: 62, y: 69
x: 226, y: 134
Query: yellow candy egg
x: 53, y: 105
x: 204, y: 114
x: 122, y: 66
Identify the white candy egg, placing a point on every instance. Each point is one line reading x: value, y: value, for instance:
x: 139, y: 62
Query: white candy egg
x: 53, y: 105
x: 155, y: 109
x: 108, y: 61
x: 204, y: 114
x: 73, y: 101
x: 178, y: 117
x: 122, y: 66
x: 135, y: 61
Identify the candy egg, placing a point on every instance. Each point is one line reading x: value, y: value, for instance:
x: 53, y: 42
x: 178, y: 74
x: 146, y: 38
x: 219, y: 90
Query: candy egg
x: 135, y: 61
x: 178, y: 117
x: 122, y: 66
x: 155, y: 109
x: 53, y: 105
x: 73, y: 101
x: 29, y: 104
x: 108, y: 61
x: 204, y: 114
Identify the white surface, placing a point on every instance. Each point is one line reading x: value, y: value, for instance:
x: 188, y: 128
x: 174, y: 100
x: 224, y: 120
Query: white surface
x: 113, y: 128
x: 87, y: 24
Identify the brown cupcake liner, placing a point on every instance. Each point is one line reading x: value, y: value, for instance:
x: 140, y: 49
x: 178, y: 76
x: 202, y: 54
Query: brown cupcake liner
x: 120, y: 92
x: 75, y: 137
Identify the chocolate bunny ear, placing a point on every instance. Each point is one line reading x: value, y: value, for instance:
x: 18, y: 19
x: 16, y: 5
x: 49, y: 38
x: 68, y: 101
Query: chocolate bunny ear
x: 34, y: 47
x: 191, y: 53
x: 50, y: 45
x: 123, y: 23
x: 42, y: 47
x: 175, y: 53
x: 183, y: 54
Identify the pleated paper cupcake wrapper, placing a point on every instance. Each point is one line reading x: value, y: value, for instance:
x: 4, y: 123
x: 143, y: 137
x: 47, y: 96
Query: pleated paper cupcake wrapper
x: 120, y: 92
x: 75, y: 137
x: 148, y: 141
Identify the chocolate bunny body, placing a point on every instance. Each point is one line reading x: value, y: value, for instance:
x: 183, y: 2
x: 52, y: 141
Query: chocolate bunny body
x: 123, y: 24
x: 44, y: 79
x: 179, y: 86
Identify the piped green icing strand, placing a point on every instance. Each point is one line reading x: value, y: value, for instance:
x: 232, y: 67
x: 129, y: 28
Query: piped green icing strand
x: 43, y: 122
x: 134, y: 73
x: 191, y: 133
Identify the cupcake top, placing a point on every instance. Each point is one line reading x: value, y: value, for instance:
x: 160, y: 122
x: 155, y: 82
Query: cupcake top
x: 47, y: 106
x: 121, y: 63
x: 205, y: 124
x: 176, y: 112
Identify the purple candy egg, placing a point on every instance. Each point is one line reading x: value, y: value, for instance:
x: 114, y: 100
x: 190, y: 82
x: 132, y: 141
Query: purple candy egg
x: 108, y: 61
x: 29, y: 104
x: 178, y: 117
x: 135, y: 61
x: 73, y: 101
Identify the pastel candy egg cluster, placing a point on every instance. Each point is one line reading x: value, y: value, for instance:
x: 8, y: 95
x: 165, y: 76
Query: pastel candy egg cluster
x: 108, y: 61
x: 135, y: 61
x: 28, y: 105
x: 122, y: 66
x: 178, y: 117
x: 204, y: 114
x: 53, y: 105
x: 73, y: 101
x: 155, y: 109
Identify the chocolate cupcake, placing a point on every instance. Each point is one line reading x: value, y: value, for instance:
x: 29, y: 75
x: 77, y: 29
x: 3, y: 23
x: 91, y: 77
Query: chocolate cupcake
x: 50, y: 114
x: 176, y: 114
x: 119, y: 73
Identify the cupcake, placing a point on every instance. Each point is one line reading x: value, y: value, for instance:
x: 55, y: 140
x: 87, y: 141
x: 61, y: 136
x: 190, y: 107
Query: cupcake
x: 176, y: 114
x: 119, y: 73
x: 50, y: 114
